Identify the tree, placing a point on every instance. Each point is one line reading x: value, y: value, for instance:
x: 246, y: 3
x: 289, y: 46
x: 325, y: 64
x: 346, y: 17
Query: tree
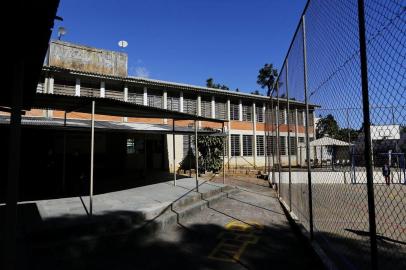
x: 327, y: 125
x: 267, y: 77
x: 210, y: 83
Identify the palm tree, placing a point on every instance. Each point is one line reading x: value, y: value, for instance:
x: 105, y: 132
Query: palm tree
x: 267, y: 77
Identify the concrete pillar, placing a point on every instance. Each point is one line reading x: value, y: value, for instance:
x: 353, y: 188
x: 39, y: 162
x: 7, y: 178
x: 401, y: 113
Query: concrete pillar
x: 77, y: 87
x: 213, y: 107
x: 199, y: 105
x: 125, y: 119
x: 50, y: 113
x: 165, y: 103
x: 181, y: 102
x: 102, y: 89
x: 241, y: 145
x: 145, y: 99
x: 46, y: 82
x: 254, y: 133
x: 240, y: 110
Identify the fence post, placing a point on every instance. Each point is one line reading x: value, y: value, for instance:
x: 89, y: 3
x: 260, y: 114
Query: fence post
x: 288, y: 139
x: 367, y: 137
x: 309, y: 173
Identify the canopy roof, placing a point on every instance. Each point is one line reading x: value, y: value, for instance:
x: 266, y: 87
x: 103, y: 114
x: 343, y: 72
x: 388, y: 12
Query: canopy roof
x: 325, y: 141
x: 107, y: 126
x: 108, y: 106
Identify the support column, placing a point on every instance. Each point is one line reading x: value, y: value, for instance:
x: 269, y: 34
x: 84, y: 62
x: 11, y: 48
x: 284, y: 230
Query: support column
x: 229, y: 132
x: 181, y: 102
x: 125, y: 119
x: 297, y: 137
x: 91, y: 160
x: 213, y: 107
x: 14, y: 145
x: 145, y: 97
x: 165, y: 103
x: 240, y: 110
x: 199, y: 109
x: 49, y: 113
x: 102, y: 89
x: 77, y: 87
x: 197, y: 159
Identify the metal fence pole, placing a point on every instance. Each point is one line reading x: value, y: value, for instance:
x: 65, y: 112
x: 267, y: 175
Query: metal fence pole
x: 91, y: 160
x: 367, y: 137
x: 277, y: 136
x: 197, y: 159
x: 224, y: 158
x: 288, y: 139
x: 309, y: 173
x: 174, y: 150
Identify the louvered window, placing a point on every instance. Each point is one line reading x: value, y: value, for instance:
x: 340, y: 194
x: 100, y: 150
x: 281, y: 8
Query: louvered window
x: 293, y: 146
x: 300, y: 117
x: 271, y: 145
x: 259, y: 114
x: 221, y: 111
x: 119, y: 95
x: 282, y: 119
x: 61, y: 89
x: 260, y: 145
x: 206, y: 108
x: 136, y: 98
x: 247, y: 145
x: 235, y: 145
x: 173, y: 103
x: 155, y: 101
x: 189, y: 106
x: 234, y: 112
x: 282, y: 143
x: 247, y: 113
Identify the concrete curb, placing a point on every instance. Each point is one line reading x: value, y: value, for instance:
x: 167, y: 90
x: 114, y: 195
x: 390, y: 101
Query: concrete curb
x: 296, y: 224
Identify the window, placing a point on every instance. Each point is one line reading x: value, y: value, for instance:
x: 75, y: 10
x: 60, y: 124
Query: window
x: 247, y: 145
x: 259, y: 114
x: 130, y: 146
x: 173, y: 103
x: 235, y: 145
x: 300, y: 115
x: 136, y: 98
x: 154, y: 101
x: 311, y: 119
x: 292, y: 117
x: 293, y: 146
x: 246, y: 113
x: 260, y: 145
x: 206, y: 108
x: 301, y: 139
x: 189, y: 106
x: 234, y: 112
x: 282, y: 145
x: 282, y: 117
x: 271, y: 145
x: 188, y: 146
x: 221, y: 111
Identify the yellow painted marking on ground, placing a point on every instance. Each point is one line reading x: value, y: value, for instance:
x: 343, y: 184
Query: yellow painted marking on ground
x: 234, y: 242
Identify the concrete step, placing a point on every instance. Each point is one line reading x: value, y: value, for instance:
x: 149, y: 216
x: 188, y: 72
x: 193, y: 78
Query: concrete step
x: 84, y: 233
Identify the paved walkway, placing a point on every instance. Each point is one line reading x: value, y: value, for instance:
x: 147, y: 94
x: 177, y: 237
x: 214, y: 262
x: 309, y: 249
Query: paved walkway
x: 244, y: 230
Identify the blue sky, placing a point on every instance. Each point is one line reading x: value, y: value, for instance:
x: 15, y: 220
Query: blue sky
x: 188, y: 40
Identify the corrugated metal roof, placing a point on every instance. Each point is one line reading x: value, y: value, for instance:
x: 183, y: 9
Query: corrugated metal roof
x: 58, y: 123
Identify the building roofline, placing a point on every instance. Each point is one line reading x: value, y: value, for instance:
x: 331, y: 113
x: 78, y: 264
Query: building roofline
x: 183, y: 86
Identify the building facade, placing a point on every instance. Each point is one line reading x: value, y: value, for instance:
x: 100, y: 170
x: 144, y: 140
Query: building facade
x: 248, y: 118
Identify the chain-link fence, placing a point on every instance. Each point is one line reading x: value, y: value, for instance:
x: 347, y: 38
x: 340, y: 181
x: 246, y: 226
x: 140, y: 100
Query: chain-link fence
x: 346, y: 182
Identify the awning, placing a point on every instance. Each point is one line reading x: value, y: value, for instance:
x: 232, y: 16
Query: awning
x: 326, y: 141
x: 107, y: 126
x: 106, y: 106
